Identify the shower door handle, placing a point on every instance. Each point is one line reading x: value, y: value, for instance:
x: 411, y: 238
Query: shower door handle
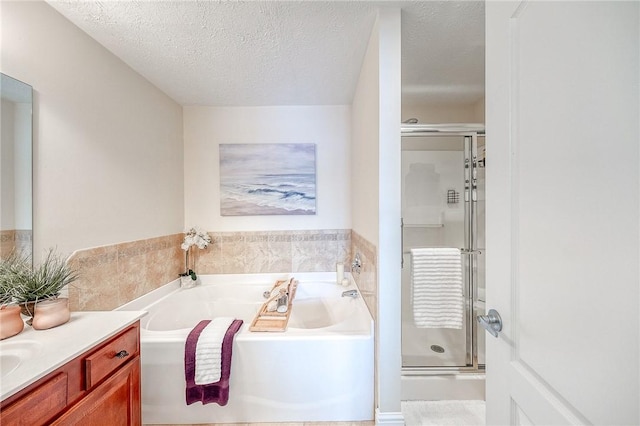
x: 401, y: 242
x: 491, y: 322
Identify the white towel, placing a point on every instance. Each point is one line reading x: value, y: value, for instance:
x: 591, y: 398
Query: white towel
x: 436, y: 287
x: 209, y: 351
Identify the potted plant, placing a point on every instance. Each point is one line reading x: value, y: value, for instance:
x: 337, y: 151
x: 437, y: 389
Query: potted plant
x: 200, y: 239
x: 10, y: 320
x: 32, y: 285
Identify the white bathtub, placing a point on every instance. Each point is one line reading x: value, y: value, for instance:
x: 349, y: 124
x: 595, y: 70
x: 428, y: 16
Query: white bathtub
x: 320, y: 369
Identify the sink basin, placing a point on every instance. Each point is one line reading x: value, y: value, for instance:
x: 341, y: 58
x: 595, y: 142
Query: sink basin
x: 12, y: 354
x: 8, y: 363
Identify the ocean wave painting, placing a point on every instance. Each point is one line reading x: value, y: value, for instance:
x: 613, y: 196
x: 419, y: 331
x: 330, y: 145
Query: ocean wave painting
x: 267, y: 179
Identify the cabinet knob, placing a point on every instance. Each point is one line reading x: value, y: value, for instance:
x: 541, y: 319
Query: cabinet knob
x: 122, y: 354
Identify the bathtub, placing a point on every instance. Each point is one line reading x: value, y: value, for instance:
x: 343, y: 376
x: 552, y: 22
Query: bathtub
x: 320, y: 369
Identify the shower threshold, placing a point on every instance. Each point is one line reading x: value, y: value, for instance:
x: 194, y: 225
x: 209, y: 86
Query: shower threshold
x: 438, y: 371
x: 434, y: 384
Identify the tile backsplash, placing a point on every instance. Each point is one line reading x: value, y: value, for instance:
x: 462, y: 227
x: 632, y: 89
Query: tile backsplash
x: 367, y: 279
x: 274, y: 251
x: 15, y: 240
x: 113, y: 275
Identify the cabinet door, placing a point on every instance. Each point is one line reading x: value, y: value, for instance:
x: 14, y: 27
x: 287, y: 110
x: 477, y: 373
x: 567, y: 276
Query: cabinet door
x: 115, y: 402
x: 39, y: 405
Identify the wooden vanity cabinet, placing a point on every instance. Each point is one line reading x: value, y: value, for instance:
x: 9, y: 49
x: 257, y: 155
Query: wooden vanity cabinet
x: 99, y: 387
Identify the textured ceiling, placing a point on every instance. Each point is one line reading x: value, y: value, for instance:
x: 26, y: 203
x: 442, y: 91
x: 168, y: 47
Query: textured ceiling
x: 285, y: 52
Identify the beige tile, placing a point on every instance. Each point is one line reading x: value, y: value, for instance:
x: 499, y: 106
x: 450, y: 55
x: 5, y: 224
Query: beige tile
x: 314, y: 256
x: 279, y: 256
x: 132, y: 248
x: 233, y: 255
x: 96, y: 288
x: 256, y: 254
x: 95, y: 256
x: 344, y: 252
x: 136, y: 267
x: 210, y: 260
x: 116, y: 274
x: 367, y: 280
x: 164, y: 266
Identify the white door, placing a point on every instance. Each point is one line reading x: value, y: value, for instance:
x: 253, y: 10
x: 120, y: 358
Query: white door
x: 562, y: 212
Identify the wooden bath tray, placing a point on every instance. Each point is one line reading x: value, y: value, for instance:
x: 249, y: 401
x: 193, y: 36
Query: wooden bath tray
x: 274, y: 321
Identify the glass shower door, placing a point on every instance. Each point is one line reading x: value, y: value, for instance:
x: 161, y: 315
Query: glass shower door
x: 436, y: 211
x: 480, y: 257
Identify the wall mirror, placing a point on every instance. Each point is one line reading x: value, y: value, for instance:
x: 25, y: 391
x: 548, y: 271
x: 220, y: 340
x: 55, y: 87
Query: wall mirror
x: 16, y: 205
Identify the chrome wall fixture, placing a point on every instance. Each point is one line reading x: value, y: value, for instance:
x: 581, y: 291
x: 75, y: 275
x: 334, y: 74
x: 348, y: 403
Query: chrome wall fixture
x: 356, y: 265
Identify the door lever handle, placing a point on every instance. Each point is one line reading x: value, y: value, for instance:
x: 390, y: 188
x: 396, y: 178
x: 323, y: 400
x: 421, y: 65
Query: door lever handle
x: 491, y: 322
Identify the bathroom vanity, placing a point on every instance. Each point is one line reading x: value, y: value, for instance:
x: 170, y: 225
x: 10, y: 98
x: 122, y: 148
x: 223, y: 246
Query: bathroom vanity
x: 84, y: 372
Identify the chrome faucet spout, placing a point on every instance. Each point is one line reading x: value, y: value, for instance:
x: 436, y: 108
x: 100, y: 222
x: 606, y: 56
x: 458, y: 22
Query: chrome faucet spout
x: 350, y: 293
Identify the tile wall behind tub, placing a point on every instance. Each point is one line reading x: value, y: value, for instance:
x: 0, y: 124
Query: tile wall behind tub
x: 274, y: 251
x: 367, y: 279
x: 111, y: 276
x: 7, y: 242
x: 15, y: 239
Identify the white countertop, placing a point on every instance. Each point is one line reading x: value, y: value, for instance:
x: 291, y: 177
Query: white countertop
x: 42, y: 351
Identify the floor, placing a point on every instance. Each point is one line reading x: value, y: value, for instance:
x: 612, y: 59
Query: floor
x: 441, y: 413
x: 371, y: 423
x: 416, y: 413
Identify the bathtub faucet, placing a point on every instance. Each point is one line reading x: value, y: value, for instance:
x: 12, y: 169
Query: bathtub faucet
x: 350, y: 293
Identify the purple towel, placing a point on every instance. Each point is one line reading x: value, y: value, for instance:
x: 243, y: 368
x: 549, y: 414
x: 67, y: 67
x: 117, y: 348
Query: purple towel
x: 217, y: 392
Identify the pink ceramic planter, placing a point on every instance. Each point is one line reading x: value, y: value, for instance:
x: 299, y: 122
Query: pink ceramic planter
x: 11, y: 322
x: 51, y: 313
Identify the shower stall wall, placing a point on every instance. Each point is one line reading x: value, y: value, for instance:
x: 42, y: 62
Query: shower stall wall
x: 443, y: 205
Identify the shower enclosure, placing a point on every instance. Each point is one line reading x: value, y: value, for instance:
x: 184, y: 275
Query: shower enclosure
x: 443, y: 205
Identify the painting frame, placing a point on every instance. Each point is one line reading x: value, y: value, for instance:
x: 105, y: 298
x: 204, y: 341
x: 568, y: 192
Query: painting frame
x: 267, y: 179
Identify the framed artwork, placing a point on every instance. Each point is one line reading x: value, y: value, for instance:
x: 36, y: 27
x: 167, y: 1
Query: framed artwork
x: 267, y: 179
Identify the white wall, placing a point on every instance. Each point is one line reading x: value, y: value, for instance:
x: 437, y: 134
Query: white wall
x: 389, y: 207
x: 365, y: 122
x: 375, y: 183
x: 108, y: 162
x: 326, y: 126
x: 438, y: 114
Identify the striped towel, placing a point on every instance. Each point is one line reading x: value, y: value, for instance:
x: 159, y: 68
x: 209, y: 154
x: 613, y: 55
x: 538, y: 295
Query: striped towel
x: 436, y: 287
x: 209, y: 351
x: 215, y: 367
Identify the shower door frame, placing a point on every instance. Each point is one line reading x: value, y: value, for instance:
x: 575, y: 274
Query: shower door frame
x: 471, y: 251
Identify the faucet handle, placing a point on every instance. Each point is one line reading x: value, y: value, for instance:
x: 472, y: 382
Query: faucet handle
x: 356, y: 265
